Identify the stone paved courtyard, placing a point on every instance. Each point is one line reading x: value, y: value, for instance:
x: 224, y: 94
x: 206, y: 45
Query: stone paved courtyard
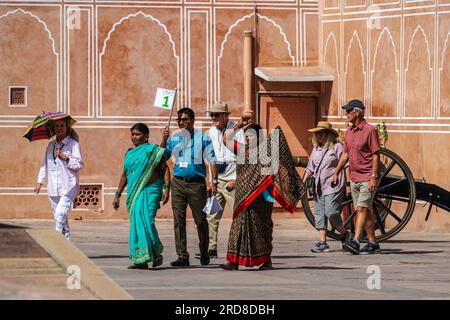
x: 413, y: 265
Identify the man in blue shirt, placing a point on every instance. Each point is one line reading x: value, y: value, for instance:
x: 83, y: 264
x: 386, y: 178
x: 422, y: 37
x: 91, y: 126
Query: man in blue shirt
x: 190, y: 148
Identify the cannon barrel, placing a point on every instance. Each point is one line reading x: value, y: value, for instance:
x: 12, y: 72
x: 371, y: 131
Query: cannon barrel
x: 300, y: 161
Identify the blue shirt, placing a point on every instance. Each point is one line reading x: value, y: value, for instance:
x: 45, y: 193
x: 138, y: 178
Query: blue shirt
x: 190, y: 152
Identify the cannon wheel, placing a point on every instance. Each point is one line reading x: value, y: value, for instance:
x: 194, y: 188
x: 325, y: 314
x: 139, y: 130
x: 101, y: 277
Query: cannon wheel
x: 393, y: 204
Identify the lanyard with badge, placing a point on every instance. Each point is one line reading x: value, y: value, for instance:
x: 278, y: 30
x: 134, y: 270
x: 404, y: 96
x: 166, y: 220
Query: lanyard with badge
x: 184, y: 164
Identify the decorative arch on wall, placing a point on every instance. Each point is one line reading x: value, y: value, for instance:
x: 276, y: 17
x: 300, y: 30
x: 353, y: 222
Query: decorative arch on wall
x: 134, y: 15
x: 333, y: 108
x: 28, y: 13
x: 169, y: 38
x: 444, y: 50
x: 444, y: 83
x: 360, y: 95
x: 414, y: 107
x: 232, y: 29
x: 54, y: 51
x: 331, y: 36
x: 380, y: 106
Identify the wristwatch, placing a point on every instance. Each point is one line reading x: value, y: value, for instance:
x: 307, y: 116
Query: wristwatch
x: 214, y: 181
x: 374, y: 175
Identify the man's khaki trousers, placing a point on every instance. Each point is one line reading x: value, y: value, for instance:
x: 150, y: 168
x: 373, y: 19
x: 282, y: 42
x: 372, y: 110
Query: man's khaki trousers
x: 223, y: 197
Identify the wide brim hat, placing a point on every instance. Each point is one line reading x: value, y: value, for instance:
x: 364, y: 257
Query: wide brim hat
x: 324, y: 125
x: 219, y: 107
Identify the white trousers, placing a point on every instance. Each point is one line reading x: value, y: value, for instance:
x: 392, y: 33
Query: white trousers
x: 61, y: 207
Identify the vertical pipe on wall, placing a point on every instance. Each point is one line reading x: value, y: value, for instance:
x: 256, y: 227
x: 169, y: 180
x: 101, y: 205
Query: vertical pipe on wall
x: 248, y: 71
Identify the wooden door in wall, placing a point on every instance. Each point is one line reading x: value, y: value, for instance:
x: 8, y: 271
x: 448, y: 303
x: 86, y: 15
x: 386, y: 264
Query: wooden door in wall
x: 295, y: 115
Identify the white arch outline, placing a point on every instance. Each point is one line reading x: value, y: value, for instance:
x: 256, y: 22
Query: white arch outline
x: 134, y: 15
x: 441, y: 68
x: 385, y: 29
x: 39, y: 20
x: 430, y: 69
x: 355, y: 35
x: 27, y: 13
x: 378, y: 44
x: 443, y: 52
x: 324, y: 53
x: 230, y: 30
x: 331, y: 34
x: 428, y: 48
x: 237, y: 22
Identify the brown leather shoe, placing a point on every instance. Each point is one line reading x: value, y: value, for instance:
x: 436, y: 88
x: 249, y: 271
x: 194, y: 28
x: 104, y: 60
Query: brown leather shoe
x: 229, y: 266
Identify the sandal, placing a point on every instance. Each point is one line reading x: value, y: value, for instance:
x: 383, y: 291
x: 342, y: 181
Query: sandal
x: 157, y: 262
x: 138, y: 266
x: 229, y: 266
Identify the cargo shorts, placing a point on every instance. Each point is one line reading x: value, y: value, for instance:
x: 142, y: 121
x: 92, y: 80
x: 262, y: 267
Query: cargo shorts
x: 361, y: 195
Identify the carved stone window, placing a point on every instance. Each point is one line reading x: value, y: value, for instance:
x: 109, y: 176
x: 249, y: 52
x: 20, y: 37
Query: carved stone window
x: 90, y: 197
x: 17, y: 97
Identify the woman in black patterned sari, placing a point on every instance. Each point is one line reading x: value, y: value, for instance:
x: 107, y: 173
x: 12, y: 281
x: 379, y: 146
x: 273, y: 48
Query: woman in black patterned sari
x: 257, y: 188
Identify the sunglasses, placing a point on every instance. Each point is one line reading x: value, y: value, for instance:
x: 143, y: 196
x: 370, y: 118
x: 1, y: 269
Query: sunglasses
x: 349, y: 112
x: 183, y: 119
x: 321, y: 133
x: 215, y: 115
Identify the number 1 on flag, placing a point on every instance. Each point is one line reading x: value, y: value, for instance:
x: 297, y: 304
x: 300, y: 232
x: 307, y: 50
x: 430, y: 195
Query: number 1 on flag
x: 164, y: 98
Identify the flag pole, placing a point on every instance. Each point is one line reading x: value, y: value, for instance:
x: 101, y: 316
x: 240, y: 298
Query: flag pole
x: 171, y: 110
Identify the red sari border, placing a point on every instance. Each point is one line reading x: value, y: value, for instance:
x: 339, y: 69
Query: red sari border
x: 281, y: 200
x: 244, y: 204
x: 248, y: 261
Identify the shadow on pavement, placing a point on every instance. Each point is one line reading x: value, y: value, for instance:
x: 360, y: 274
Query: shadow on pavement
x: 399, y: 251
x: 292, y: 257
x: 16, y: 243
x: 416, y: 241
x: 304, y: 267
x: 10, y: 226
x: 108, y: 257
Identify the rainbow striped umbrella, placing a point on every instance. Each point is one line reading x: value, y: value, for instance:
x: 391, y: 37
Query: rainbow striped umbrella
x: 42, y: 125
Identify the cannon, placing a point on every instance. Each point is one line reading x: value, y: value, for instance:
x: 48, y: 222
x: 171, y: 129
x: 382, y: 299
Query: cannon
x: 394, y: 201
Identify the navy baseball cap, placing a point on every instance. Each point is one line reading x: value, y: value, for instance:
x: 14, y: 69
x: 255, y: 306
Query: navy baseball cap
x: 352, y: 104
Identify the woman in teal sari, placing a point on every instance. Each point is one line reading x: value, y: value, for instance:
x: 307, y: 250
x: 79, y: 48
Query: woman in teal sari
x: 147, y: 179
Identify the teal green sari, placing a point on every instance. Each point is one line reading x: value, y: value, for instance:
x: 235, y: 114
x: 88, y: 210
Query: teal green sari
x: 143, y: 201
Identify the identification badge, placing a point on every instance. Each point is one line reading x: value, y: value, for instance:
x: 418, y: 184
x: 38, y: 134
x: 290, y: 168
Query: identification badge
x: 183, y: 164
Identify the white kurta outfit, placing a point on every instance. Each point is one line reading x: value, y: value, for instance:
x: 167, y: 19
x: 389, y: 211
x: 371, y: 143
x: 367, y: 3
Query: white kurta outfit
x: 63, y: 182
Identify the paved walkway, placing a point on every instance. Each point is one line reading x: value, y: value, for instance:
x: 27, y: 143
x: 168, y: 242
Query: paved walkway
x: 28, y: 272
x: 412, y: 266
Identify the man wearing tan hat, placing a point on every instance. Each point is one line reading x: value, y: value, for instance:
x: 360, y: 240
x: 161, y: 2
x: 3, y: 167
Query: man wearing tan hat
x: 226, y: 167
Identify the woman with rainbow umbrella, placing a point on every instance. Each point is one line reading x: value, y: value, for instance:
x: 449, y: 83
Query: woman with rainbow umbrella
x: 61, y: 164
